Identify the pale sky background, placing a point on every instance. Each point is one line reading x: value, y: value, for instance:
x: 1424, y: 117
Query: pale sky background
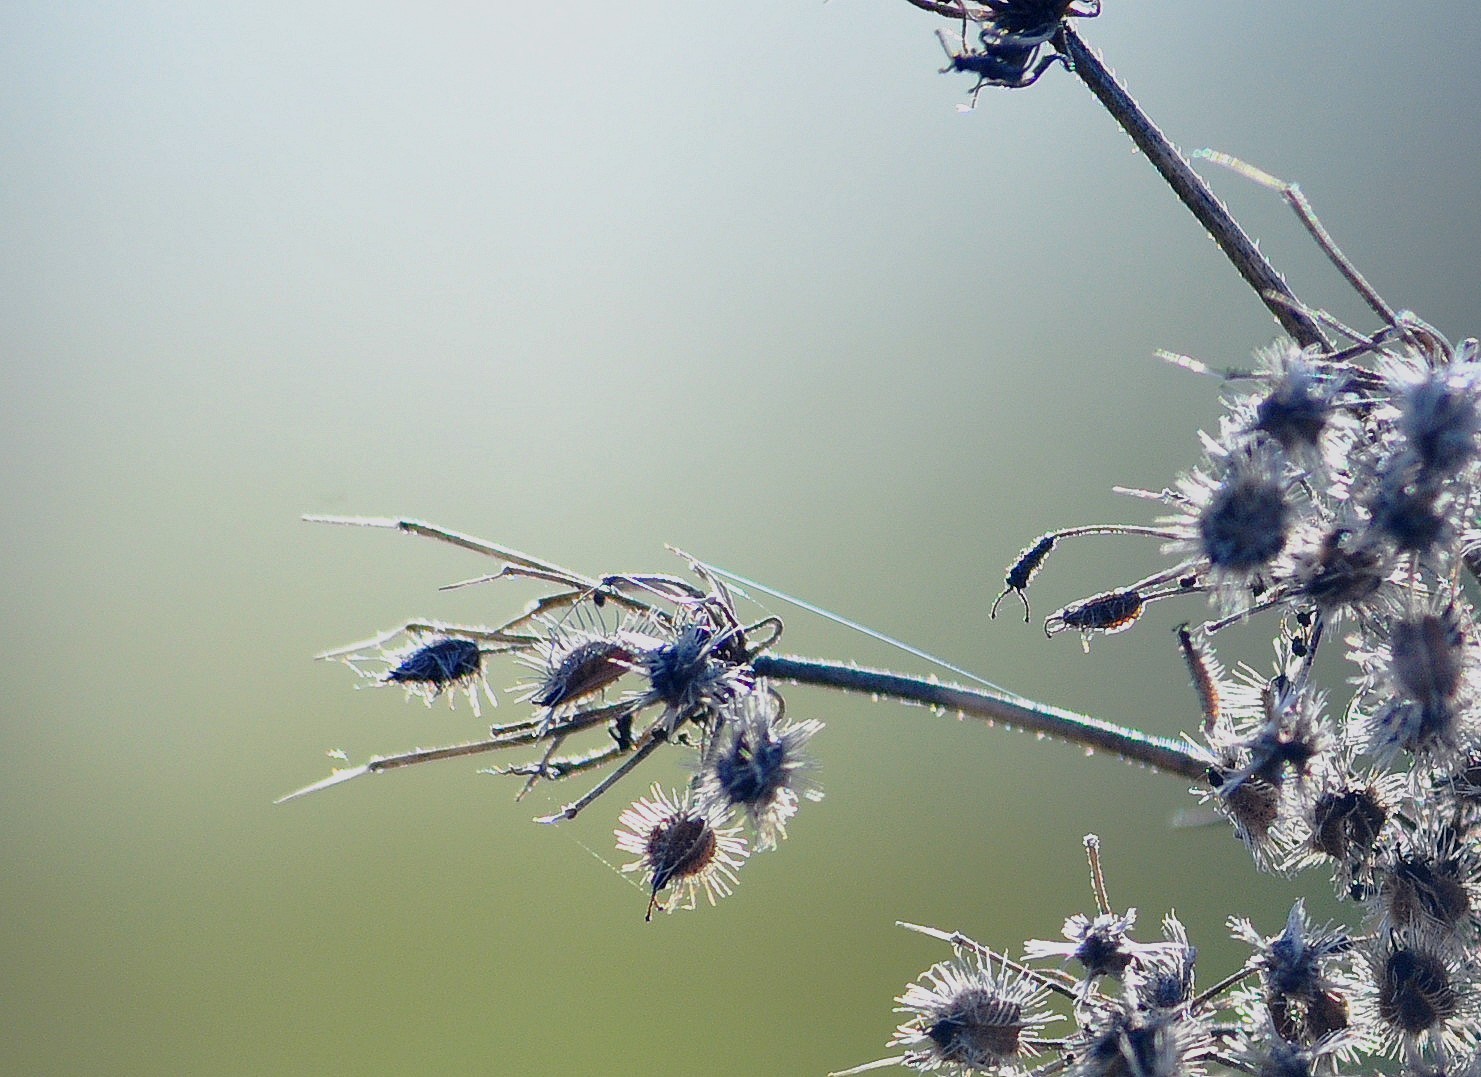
x: 589, y: 279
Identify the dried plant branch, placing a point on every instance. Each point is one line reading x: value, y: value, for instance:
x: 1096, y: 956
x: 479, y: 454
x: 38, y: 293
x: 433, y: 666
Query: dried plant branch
x: 1092, y: 733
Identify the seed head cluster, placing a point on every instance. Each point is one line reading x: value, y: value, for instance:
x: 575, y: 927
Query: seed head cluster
x: 1337, y: 503
x: 632, y: 664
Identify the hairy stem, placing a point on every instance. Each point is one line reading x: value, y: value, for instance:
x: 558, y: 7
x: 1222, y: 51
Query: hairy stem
x: 1194, y: 192
x: 1091, y: 733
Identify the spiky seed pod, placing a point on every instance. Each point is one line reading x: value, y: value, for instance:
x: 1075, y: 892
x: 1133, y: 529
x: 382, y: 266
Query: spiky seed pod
x: 1430, y: 885
x: 757, y: 764
x: 1303, y: 999
x: 439, y: 663
x: 1262, y: 1050
x: 1429, y: 659
x: 1343, y: 824
x: 1243, y: 525
x: 1287, y: 744
x: 1440, y: 416
x: 586, y: 669
x: 1342, y: 570
x: 1122, y: 1040
x: 1411, y: 514
x: 1421, y: 686
x: 691, y: 673
x: 1253, y: 805
x: 1235, y: 518
x: 433, y: 669
x: 1298, y: 408
x: 681, y: 847
x: 1346, y: 823
x: 1416, y: 1000
x: 1161, y: 978
x: 966, y: 1016
x: 1102, y: 945
x: 1421, y: 893
x: 1415, y: 994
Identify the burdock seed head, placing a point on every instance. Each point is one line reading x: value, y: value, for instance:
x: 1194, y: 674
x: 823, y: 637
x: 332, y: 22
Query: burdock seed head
x: 438, y: 664
x: 433, y: 669
x: 680, y: 847
x: 757, y: 764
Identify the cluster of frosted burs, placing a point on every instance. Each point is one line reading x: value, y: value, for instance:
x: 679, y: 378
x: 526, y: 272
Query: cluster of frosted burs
x: 626, y: 665
x: 1336, y: 502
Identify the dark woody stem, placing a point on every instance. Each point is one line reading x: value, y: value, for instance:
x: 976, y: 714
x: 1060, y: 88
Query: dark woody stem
x: 1092, y: 733
x: 1196, y: 194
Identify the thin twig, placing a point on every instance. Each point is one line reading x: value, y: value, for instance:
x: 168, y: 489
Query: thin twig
x: 1291, y: 192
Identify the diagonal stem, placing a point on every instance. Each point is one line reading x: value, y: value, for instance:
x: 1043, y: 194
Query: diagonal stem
x: 1194, y: 192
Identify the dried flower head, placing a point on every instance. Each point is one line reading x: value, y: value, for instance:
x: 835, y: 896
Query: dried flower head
x: 1236, y: 518
x: 574, y: 668
x: 1342, y: 823
x: 1297, y: 409
x: 1237, y: 790
x: 1420, y: 689
x: 438, y: 664
x: 1283, y: 739
x: 1416, y: 515
x: 1430, y: 885
x: 1340, y: 569
x: 680, y: 847
x: 693, y: 672
x: 756, y: 763
x: 442, y: 666
x: 1123, y: 1040
x: 1161, y: 978
x: 1260, y: 1049
x: 967, y: 1017
x: 1439, y: 415
x: 1102, y: 944
x: 1302, y: 997
x: 1418, y: 1002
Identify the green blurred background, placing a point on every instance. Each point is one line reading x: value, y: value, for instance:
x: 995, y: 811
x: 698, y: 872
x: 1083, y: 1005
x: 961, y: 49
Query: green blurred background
x: 587, y: 280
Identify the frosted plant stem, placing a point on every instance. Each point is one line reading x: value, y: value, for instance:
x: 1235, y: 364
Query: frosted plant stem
x: 1195, y: 193
x: 1158, y: 753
